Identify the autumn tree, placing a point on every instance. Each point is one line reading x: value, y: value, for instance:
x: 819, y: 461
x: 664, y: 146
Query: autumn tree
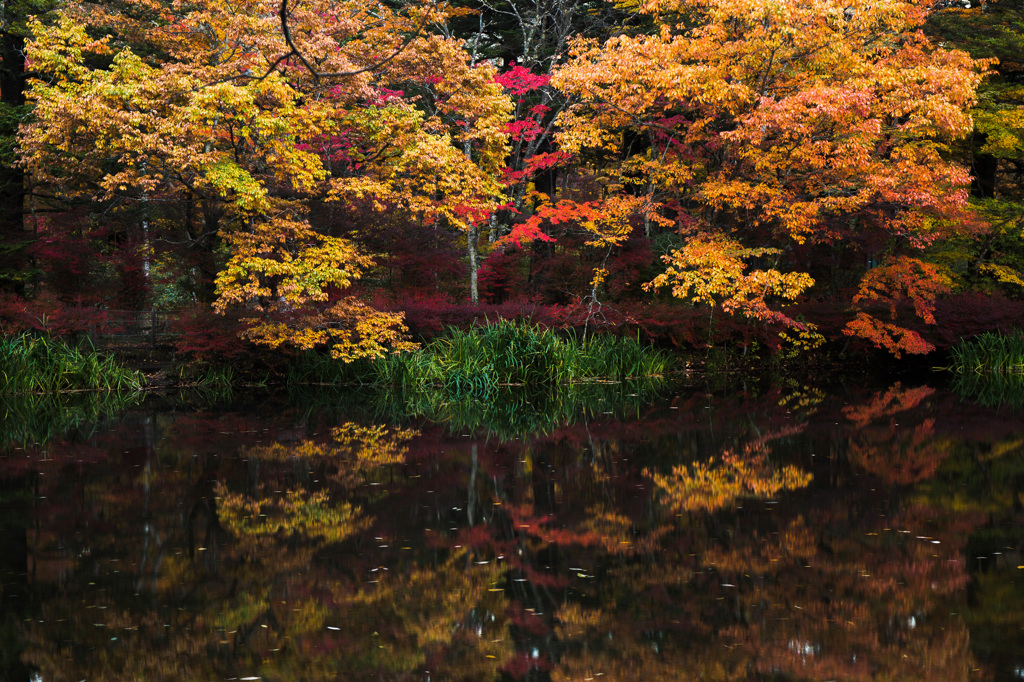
x: 218, y: 112
x: 798, y: 128
x: 531, y: 38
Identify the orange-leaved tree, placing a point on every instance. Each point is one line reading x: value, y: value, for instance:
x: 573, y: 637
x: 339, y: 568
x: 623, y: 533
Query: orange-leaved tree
x: 768, y: 129
x: 208, y: 104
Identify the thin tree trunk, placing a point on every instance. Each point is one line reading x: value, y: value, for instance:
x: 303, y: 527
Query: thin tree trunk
x: 472, y: 236
x: 472, y: 247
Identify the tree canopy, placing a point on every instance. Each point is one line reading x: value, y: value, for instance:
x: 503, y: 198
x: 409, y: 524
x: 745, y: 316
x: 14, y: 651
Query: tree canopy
x: 290, y: 161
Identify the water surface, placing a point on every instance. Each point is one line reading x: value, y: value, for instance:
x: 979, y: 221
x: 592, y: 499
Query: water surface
x: 757, y: 532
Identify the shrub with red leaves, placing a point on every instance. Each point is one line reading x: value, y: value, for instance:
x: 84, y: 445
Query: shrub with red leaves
x: 204, y: 336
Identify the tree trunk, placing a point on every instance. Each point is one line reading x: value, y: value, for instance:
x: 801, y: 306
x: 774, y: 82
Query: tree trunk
x: 472, y: 236
x: 472, y: 246
x: 15, y: 261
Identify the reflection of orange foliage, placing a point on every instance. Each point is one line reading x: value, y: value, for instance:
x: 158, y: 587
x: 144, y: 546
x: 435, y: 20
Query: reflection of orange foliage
x: 709, y: 487
x: 816, y: 597
x: 616, y: 533
x: 884, y: 450
x: 613, y: 532
x: 796, y: 602
x: 883, y: 453
x: 883, y: 572
x: 895, y: 400
x: 714, y: 484
x: 355, y: 453
x: 793, y: 546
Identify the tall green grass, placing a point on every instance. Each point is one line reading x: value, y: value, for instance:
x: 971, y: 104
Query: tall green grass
x: 990, y: 353
x: 481, y: 360
x: 990, y: 369
x: 508, y: 379
x: 40, y: 364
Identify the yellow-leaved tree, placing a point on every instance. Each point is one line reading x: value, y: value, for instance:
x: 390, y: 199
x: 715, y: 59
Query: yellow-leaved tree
x: 208, y: 104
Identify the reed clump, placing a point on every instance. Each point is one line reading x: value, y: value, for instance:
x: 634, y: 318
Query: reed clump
x: 481, y: 360
x: 41, y: 364
x: 990, y: 353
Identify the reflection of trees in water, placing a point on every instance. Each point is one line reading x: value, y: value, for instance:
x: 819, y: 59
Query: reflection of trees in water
x: 982, y: 479
x: 826, y: 591
x: 234, y: 547
x: 217, y: 579
x: 731, y: 475
x: 892, y: 440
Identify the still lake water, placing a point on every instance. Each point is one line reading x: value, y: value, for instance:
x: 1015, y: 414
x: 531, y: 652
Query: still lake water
x: 754, y: 532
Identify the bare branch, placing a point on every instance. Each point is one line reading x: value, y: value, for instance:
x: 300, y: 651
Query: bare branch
x: 294, y: 51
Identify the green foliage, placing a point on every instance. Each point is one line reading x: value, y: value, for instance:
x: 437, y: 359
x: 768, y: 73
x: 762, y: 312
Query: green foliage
x: 19, y: 274
x: 212, y: 384
x: 990, y: 369
x: 207, y: 376
x: 481, y: 360
x: 988, y: 259
x: 220, y: 378
x: 11, y: 116
x: 506, y: 413
x: 317, y: 368
x: 993, y: 29
x: 39, y: 364
x: 508, y: 379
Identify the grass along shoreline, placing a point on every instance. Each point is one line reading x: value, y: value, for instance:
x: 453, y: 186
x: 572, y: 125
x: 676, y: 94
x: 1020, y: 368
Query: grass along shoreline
x: 483, y: 359
x: 39, y: 364
x: 990, y: 353
x: 476, y: 361
x: 990, y: 369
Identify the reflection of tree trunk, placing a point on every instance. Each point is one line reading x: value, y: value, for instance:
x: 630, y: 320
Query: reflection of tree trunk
x: 471, y: 499
x: 14, y: 592
x: 14, y: 552
x: 204, y: 518
x: 473, y: 469
x: 149, y: 529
